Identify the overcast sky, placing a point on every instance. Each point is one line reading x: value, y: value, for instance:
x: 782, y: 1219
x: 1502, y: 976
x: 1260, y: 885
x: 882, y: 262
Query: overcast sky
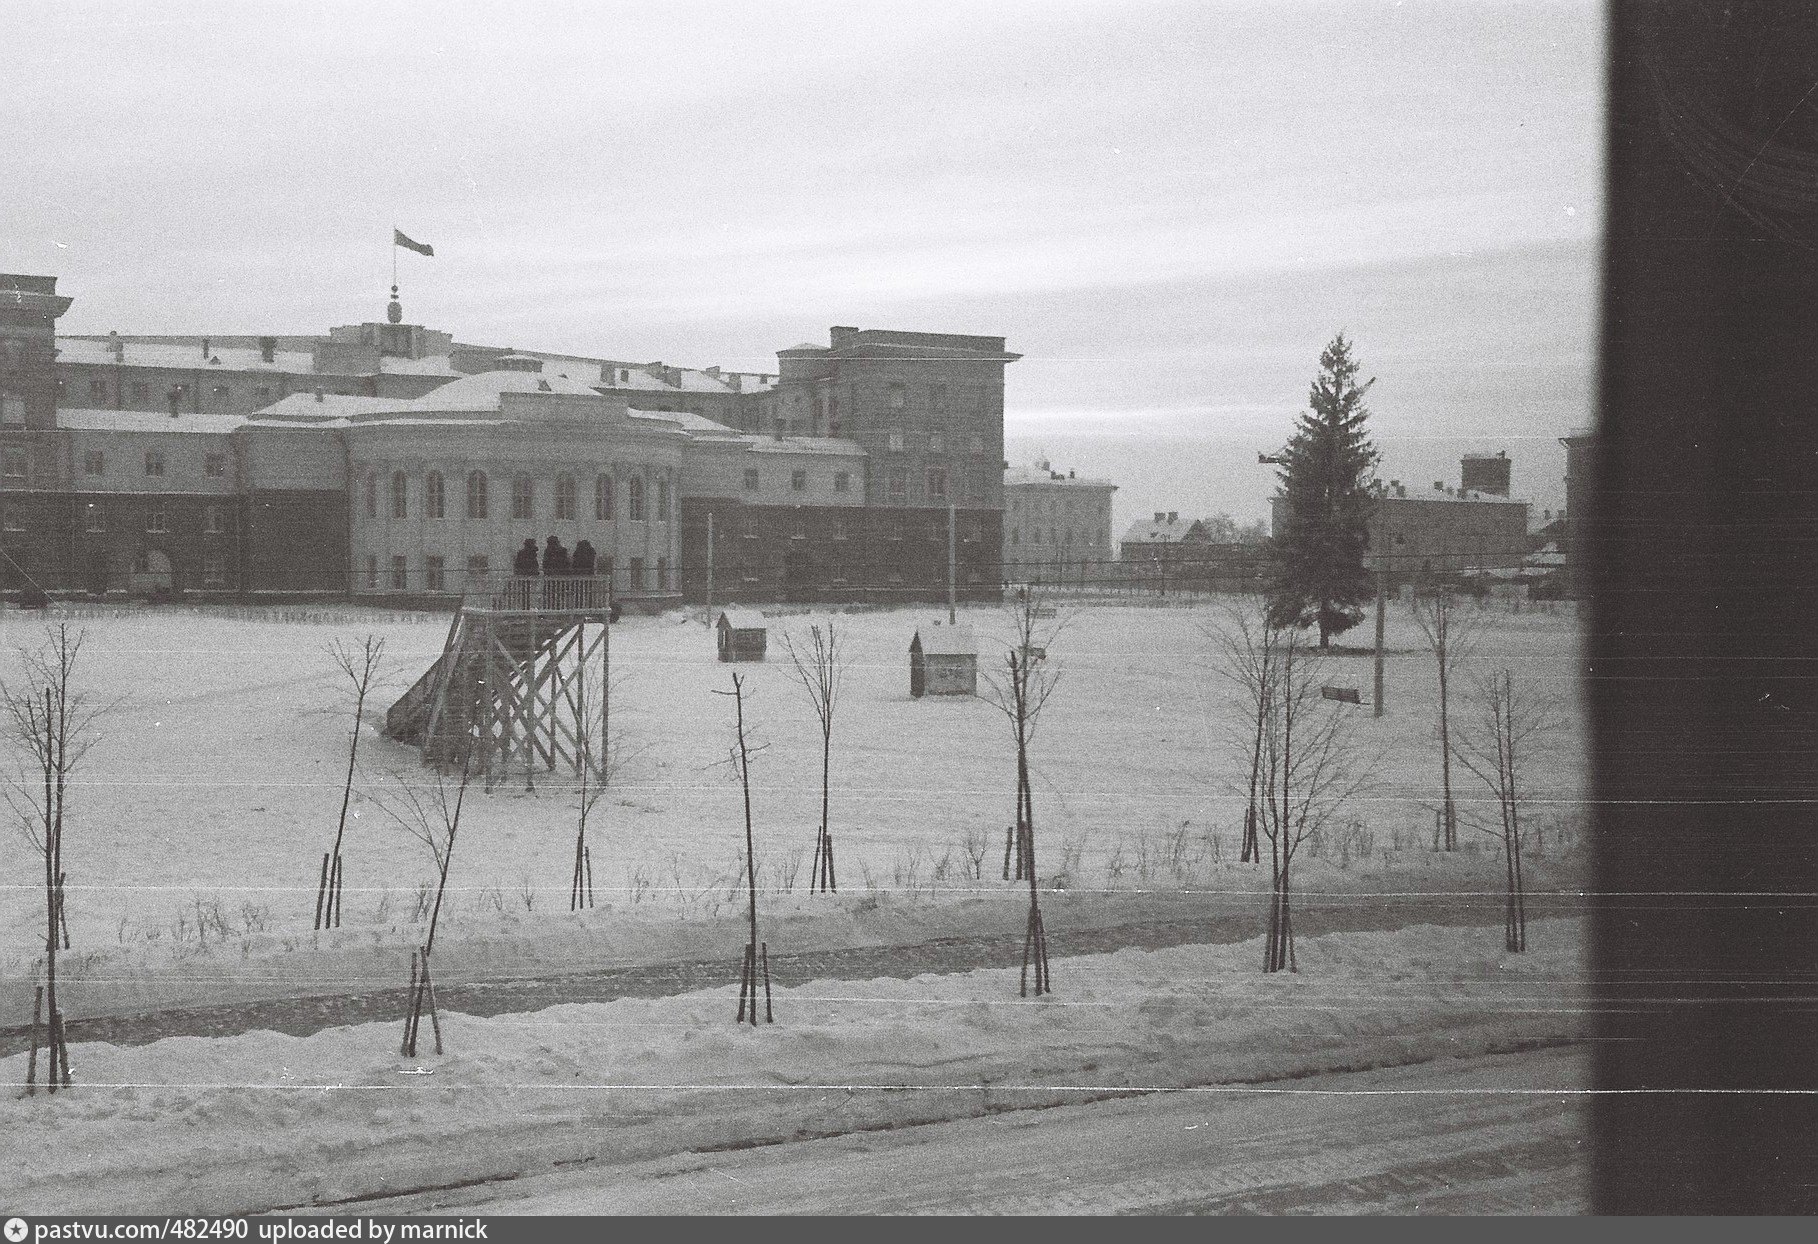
x: 1166, y: 208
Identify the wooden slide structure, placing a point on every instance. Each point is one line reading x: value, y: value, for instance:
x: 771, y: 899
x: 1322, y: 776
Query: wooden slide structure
x: 520, y: 685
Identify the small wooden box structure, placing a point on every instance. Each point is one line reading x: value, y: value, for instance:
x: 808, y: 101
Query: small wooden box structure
x: 943, y: 660
x: 742, y: 635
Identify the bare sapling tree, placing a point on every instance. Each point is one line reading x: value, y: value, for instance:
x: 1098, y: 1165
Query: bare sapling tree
x: 601, y: 755
x: 1450, y: 633
x: 432, y: 815
x: 757, y: 954
x: 1506, y: 732
x: 1246, y: 643
x: 360, y: 664
x: 1309, y: 770
x: 819, y: 667
x: 1020, y: 689
x: 52, y: 724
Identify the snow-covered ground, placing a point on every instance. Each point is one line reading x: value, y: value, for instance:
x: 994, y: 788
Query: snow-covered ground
x: 264, y: 1120
x: 201, y: 814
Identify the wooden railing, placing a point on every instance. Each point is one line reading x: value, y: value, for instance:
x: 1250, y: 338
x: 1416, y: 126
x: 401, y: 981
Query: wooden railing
x: 545, y: 594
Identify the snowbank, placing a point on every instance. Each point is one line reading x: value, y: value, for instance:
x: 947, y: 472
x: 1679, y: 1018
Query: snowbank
x: 264, y: 1120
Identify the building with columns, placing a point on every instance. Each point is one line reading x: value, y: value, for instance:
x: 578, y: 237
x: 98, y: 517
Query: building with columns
x: 385, y: 459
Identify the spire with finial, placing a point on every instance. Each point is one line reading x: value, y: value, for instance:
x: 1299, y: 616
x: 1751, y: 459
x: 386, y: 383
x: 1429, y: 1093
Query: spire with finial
x: 394, y: 310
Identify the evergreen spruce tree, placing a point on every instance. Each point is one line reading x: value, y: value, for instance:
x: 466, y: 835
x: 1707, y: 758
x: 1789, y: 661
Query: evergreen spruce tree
x: 1316, y: 557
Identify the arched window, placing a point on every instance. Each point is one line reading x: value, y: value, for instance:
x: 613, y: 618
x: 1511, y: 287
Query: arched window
x: 400, y: 495
x: 634, y: 500
x: 372, y: 496
x: 432, y: 495
x: 662, y: 499
x: 565, y: 507
x: 602, y: 498
x: 476, y: 494
x: 523, y: 498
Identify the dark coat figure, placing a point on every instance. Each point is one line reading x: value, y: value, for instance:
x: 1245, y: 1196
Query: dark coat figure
x: 524, y: 565
x: 584, y: 558
x: 555, y: 557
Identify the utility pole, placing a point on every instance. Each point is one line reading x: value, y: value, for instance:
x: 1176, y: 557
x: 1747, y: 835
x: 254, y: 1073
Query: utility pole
x: 710, y: 569
x: 952, y: 521
x: 1382, y: 600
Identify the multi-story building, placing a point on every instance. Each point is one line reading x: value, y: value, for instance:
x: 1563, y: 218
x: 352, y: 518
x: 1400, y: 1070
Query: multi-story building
x: 386, y: 458
x: 1056, y: 526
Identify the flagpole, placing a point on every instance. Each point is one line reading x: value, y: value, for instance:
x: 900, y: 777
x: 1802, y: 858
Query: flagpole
x: 394, y: 255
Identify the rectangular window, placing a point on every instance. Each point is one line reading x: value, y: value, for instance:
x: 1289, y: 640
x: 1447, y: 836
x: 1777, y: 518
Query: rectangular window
x: 12, y: 518
x: 372, y: 572
x: 400, y: 573
x: 211, y: 520
x: 899, y: 483
x: 154, y: 462
x: 898, y: 396
x: 432, y: 573
x: 214, y: 571
x: 94, y: 462
x: 798, y: 481
x: 565, y: 502
x: 895, y: 529
x: 97, y: 389
x: 662, y: 573
x: 801, y: 528
x: 435, y: 495
x: 751, y: 479
x: 215, y: 466
x: 663, y: 499
x: 637, y: 575
x: 605, y: 568
x: 842, y: 481
x: 937, y: 398
x: 602, y: 498
x: 896, y: 442
x: 372, y: 499
x: 12, y: 463
x: 97, y: 517
x: 477, y: 569
x: 937, y: 483
x: 12, y: 411
x: 937, y: 444
x: 400, y: 495
x: 839, y: 528
x: 155, y: 518
x: 523, y: 498
x: 751, y: 527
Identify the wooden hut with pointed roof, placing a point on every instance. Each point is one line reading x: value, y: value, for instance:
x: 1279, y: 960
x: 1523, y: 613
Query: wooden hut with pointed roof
x: 943, y: 660
x: 742, y: 635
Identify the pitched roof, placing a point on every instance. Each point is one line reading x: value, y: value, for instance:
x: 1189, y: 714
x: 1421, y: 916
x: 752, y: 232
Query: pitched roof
x: 742, y: 619
x: 1148, y: 531
x: 947, y: 641
x: 145, y: 421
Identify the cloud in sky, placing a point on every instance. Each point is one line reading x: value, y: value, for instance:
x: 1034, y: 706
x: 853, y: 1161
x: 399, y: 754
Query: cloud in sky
x: 1165, y: 206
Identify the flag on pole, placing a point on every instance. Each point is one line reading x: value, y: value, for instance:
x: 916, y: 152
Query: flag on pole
x: 421, y: 248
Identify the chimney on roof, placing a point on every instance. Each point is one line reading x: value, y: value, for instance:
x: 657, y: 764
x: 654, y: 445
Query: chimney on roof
x: 713, y: 371
x: 205, y: 350
x: 1069, y: 474
x: 318, y: 393
x: 1439, y: 485
x: 268, y: 349
x: 1174, y: 516
x: 116, y: 345
x: 175, y: 398
x: 842, y: 335
x: 1161, y: 516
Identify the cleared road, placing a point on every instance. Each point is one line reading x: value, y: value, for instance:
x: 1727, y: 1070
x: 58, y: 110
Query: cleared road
x: 1501, y: 1134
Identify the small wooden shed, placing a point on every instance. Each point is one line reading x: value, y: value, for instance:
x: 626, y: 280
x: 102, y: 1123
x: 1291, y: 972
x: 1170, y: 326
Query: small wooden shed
x: 943, y: 660
x: 742, y: 635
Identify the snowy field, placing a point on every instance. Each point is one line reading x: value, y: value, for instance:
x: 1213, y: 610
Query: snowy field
x: 201, y: 814
x: 265, y: 1121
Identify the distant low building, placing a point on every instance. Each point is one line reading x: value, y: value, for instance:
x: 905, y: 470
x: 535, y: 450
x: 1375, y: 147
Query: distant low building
x: 1191, y: 553
x: 1055, y: 525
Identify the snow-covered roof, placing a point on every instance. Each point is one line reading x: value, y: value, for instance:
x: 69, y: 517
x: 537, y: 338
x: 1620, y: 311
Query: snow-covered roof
x: 1025, y: 476
x: 481, y: 392
x: 90, y: 352
x: 1148, y: 531
x: 836, y: 446
x: 742, y: 619
x: 307, y: 406
x: 683, y: 419
x: 145, y: 421
x: 947, y: 641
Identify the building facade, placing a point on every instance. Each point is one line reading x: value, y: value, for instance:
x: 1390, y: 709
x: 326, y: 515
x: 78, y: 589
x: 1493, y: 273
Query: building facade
x: 386, y: 459
x: 1057, y: 526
